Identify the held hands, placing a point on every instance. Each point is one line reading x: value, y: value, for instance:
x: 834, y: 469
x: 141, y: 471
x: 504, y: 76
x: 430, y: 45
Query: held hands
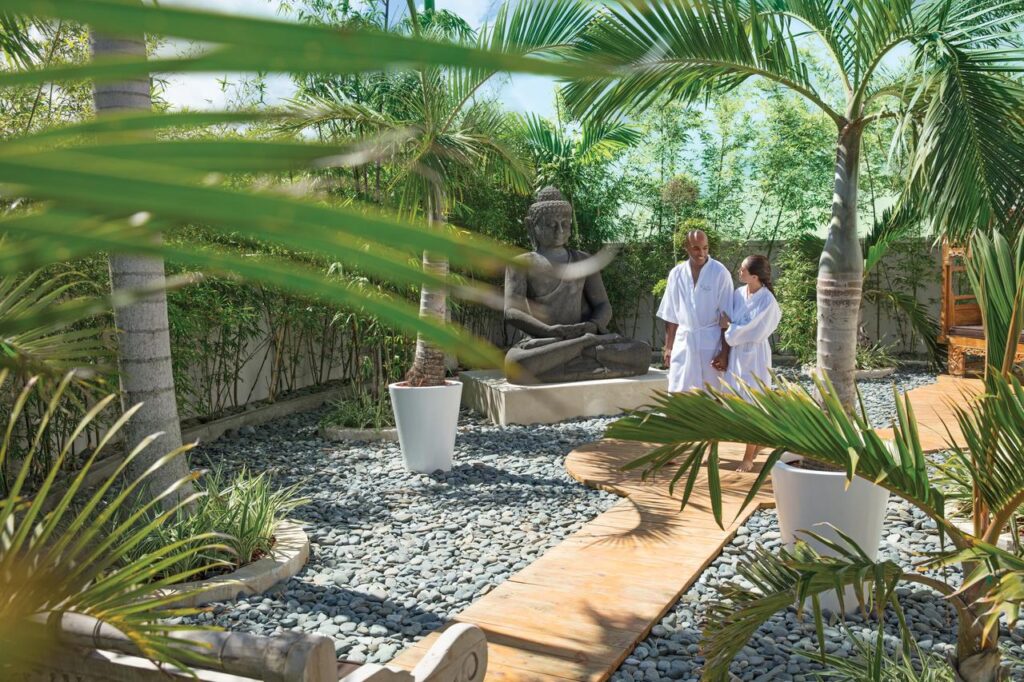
x: 721, y: 361
x: 724, y: 321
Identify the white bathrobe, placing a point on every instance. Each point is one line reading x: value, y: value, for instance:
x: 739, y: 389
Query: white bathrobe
x: 696, y: 308
x: 755, y: 317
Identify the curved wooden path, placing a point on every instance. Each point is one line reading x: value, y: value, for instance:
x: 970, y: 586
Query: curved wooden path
x: 579, y: 610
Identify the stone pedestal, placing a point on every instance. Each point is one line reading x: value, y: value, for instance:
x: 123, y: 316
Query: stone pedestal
x: 490, y: 394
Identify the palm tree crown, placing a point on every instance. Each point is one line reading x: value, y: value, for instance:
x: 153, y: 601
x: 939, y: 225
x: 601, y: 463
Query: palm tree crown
x: 957, y: 100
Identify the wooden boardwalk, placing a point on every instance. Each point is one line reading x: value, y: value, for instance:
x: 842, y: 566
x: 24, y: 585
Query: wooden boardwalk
x: 933, y: 410
x: 579, y: 610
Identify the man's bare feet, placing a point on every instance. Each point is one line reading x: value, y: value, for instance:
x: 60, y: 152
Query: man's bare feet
x: 746, y: 466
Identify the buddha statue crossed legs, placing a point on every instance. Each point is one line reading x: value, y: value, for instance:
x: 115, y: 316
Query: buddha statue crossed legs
x: 565, y: 319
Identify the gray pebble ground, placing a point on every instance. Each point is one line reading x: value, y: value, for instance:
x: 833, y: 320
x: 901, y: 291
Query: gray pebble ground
x: 395, y: 554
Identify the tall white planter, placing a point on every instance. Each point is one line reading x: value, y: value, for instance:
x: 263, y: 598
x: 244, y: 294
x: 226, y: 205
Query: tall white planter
x: 427, y: 418
x: 806, y: 500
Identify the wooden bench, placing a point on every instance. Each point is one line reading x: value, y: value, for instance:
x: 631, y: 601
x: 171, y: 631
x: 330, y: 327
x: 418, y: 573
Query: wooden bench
x: 92, y: 651
x: 960, y: 317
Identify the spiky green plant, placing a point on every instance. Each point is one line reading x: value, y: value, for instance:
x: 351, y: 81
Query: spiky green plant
x: 59, y: 552
x: 242, y: 511
x: 689, y: 427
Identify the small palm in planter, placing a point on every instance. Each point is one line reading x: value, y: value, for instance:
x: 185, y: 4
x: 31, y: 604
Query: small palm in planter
x: 441, y: 134
x: 691, y: 425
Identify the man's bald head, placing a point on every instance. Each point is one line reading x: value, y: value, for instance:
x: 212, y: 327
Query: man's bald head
x: 696, y: 237
x: 697, y: 248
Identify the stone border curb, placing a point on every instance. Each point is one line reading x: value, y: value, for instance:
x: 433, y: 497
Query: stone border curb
x: 216, y: 428
x: 338, y: 433
x: 289, y: 555
x: 859, y: 375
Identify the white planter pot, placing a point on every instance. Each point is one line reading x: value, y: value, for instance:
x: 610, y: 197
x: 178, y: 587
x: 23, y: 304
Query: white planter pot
x: 427, y: 418
x: 807, y: 499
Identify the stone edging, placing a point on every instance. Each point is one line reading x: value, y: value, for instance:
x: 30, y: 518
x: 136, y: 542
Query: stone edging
x: 289, y: 555
x: 859, y: 375
x: 339, y: 433
x: 216, y: 428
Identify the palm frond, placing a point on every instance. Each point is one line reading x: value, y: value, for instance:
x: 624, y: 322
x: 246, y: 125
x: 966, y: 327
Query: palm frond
x: 872, y: 663
x: 789, y: 578
x: 49, y: 543
x: 896, y: 223
x: 16, y: 41
x: 996, y: 271
x: 785, y: 419
x: 53, y: 348
x: 965, y: 166
x: 1001, y: 573
x: 253, y: 44
x: 993, y: 429
x: 600, y: 139
x: 85, y: 233
x: 687, y: 50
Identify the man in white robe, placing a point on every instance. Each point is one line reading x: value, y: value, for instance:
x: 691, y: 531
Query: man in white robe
x: 699, y: 290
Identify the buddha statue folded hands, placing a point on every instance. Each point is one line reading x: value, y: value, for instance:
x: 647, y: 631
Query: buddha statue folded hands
x: 564, y: 319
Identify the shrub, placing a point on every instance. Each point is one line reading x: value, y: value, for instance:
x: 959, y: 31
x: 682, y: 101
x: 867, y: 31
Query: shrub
x: 795, y: 291
x: 242, y: 513
x: 875, y: 357
x: 361, y: 411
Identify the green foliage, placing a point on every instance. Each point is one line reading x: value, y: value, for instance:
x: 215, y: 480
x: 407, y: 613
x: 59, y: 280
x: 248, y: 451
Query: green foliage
x: 42, y: 352
x: 638, y: 266
x: 795, y: 290
x: 872, y: 663
x: 364, y: 410
x: 31, y: 108
x: 875, y: 356
x: 167, y: 182
x: 369, y: 407
x: 241, y: 512
x: 63, y: 553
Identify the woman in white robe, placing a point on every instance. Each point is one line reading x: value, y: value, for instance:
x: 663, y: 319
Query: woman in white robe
x: 755, y: 317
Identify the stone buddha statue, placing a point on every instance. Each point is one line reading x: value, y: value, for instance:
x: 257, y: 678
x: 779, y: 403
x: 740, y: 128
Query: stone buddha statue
x: 565, y: 319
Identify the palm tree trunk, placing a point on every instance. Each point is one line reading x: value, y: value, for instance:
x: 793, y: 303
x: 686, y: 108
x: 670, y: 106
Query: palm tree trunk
x: 144, y: 344
x: 981, y: 666
x: 841, y: 273
x: 428, y: 364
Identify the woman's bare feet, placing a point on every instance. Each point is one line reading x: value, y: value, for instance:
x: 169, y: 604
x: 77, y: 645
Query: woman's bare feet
x: 749, y: 455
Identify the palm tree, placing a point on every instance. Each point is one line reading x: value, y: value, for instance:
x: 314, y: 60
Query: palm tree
x: 956, y: 97
x: 442, y: 132
x: 690, y: 426
x: 558, y: 155
x: 144, y: 341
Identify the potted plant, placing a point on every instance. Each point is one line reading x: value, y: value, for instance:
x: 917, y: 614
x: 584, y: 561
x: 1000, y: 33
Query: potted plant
x: 824, y: 500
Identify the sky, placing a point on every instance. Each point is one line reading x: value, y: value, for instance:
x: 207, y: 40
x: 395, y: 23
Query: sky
x: 524, y: 93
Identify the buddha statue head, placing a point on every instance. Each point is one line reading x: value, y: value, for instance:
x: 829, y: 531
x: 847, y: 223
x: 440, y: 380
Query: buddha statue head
x: 549, y: 220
